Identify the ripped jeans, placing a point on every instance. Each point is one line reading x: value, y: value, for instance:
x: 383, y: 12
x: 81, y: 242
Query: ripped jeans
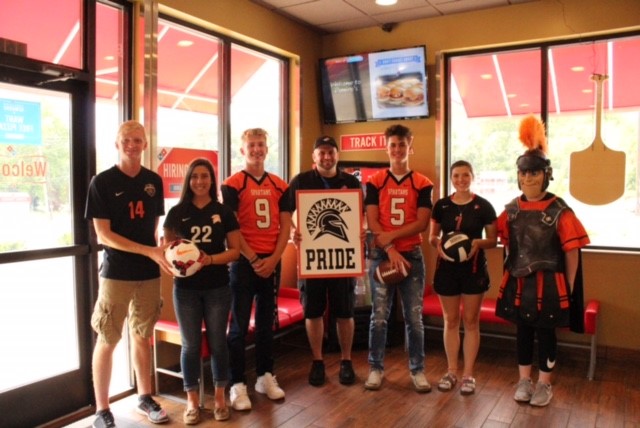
x: 411, y: 292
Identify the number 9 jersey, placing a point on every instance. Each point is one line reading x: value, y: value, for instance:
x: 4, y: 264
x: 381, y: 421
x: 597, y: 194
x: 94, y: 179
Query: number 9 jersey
x: 257, y: 204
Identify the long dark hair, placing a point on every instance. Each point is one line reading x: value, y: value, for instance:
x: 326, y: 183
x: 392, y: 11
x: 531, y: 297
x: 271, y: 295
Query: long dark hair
x: 187, y: 193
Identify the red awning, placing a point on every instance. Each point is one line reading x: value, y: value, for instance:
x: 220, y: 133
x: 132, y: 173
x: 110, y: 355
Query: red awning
x: 188, y: 75
x: 500, y: 84
x: 505, y: 84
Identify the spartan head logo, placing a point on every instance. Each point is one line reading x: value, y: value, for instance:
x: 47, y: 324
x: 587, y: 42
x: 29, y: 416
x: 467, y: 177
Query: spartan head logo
x: 324, y: 218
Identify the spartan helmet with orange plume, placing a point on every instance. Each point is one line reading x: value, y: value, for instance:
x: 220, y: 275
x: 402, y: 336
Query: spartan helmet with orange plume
x: 532, y: 136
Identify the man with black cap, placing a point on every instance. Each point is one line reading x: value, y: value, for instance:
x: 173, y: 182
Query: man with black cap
x: 316, y: 293
x: 542, y: 284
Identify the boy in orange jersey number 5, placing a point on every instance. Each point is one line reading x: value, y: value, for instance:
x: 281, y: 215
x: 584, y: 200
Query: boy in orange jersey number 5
x: 398, y: 207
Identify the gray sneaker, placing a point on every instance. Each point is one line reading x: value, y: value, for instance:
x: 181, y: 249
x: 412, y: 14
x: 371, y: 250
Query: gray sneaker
x: 104, y: 419
x: 524, y: 391
x: 149, y: 407
x: 542, y: 395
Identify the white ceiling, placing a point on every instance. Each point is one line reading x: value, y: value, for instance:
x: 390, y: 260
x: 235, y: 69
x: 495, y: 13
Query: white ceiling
x: 334, y: 16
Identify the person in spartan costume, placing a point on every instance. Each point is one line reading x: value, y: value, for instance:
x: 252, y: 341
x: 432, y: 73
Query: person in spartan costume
x: 541, y: 288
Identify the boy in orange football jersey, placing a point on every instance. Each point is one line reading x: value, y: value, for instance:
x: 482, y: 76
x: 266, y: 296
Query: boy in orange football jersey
x: 265, y: 222
x: 398, y: 207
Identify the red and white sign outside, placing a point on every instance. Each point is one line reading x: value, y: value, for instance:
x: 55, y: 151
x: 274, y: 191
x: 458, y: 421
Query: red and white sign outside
x: 173, y: 164
x: 362, y: 142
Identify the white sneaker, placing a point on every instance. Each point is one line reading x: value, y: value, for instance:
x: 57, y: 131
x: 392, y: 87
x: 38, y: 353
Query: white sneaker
x: 267, y: 384
x: 239, y: 398
x: 420, y: 382
x: 374, y: 381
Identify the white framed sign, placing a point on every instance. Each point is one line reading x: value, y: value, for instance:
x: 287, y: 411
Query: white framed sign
x: 330, y: 223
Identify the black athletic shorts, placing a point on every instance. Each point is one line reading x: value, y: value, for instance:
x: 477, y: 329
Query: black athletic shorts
x: 453, y: 279
x: 337, y: 292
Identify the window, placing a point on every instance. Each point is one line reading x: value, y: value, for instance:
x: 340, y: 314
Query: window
x: 198, y: 93
x: 256, y: 88
x: 489, y: 94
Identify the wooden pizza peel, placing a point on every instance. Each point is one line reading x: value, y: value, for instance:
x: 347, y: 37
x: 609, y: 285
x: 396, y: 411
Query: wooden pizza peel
x: 597, y: 173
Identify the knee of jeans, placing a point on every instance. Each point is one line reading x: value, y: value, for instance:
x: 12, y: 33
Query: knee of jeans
x: 189, y: 349
x: 415, y: 315
x: 379, y: 317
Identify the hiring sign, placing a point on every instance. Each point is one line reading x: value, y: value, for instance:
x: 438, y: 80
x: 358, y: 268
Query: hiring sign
x: 174, y: 163
x: 330, y: 223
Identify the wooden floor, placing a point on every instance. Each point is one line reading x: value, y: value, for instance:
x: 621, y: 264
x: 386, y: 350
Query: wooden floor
x: 611, y: 400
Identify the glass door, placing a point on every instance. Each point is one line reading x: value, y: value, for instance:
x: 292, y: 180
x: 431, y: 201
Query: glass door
x: 44, y: 252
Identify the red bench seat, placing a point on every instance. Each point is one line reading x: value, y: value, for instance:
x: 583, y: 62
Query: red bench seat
x: 432, y: 308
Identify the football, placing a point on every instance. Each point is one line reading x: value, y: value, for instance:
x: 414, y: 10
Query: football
x: 184, y: 257
x: 457, y: 246
x: 386, y: 274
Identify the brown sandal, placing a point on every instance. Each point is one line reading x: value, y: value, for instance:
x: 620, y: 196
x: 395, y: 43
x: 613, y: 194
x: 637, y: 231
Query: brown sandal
x: 447, y: 382
x: 468, y: 386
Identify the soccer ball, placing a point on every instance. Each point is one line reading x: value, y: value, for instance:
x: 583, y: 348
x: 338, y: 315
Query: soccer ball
x: 386, y: 274
x: 184, y: 257
x: 457, y: 246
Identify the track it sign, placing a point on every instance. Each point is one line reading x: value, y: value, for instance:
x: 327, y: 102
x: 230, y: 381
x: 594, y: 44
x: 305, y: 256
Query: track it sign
x: 330, y: 223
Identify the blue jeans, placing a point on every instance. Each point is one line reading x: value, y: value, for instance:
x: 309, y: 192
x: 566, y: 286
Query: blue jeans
x: 193, y: 307
x: 245, y: 286
x: 411, y: 294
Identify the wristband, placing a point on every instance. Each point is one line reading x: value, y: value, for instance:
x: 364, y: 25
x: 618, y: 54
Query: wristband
x: 255, y: 259
x: 387, y: 247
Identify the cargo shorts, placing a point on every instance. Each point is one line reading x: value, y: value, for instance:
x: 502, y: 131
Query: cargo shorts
x: 140, y: 301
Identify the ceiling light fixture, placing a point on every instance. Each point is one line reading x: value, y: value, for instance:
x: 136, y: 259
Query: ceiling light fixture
x: 386, y: 2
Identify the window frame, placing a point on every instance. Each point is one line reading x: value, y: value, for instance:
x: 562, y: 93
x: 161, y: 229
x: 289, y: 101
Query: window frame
x: 447, y: 125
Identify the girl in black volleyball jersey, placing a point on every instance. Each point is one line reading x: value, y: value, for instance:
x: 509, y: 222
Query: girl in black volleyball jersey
x: 464, y: 282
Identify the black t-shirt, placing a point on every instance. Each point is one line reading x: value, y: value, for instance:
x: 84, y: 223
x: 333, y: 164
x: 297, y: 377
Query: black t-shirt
x: 312, y: 180
x: 133, y: 205
x: 207, y: 227
x: 470, y: 218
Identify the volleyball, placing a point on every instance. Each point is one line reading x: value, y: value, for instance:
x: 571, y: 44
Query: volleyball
x: 457, y: 246
x: 184, y: 257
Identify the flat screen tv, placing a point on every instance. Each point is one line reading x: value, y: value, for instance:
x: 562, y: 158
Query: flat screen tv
x: 382, y: 85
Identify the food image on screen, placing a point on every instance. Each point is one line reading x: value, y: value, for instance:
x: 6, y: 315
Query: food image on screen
x: 381, y: 85
x: 399, y: 91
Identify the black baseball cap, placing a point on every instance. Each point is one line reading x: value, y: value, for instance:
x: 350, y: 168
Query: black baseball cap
x: 325, y: 141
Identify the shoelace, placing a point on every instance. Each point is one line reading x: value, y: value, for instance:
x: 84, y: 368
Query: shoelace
x: 149, y: 402
x: 108, y: 419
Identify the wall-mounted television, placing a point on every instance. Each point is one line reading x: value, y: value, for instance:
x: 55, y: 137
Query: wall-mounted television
x: 382, y: 85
